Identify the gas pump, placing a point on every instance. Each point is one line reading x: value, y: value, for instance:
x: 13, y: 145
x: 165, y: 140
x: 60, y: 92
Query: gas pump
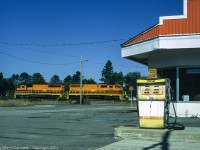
x: 153, y: 97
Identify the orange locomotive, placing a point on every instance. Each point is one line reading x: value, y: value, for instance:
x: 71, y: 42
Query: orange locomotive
x: 97, y: 91
x: 40, y: 90
x: 92, y: 91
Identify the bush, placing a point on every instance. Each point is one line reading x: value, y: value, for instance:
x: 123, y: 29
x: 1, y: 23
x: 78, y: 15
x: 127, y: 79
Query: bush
x: 14, y: 103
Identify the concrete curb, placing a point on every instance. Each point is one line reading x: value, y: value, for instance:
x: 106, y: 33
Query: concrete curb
x: 191, y: 134
x: 157, y: 139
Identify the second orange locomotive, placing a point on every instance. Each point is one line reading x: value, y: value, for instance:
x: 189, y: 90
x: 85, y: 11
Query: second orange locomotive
x: 97, y: 91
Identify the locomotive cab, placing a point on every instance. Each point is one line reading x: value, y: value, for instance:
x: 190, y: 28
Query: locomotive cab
x: 22, y: 88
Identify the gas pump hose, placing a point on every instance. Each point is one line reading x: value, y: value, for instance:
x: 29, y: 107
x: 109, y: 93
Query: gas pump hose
x: 174, y: 125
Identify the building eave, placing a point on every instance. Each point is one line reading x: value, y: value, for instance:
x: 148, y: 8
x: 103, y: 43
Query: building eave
x: 139, y: 52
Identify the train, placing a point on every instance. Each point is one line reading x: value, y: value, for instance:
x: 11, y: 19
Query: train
x: 97, y: 91
x: 91, y: 91
x: 40, y: 90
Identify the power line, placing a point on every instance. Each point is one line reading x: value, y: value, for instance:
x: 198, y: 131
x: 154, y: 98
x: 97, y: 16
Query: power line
x: 97, y: 63
x: 64, y: 44
x: 32, y: 61
x: 30, y: 49
x: 51, y: 64
x: 40, y: 51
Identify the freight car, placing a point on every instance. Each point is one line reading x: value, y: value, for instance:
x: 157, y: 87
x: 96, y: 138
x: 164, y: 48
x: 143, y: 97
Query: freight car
x: 97, y: 91
x: 40, y: 90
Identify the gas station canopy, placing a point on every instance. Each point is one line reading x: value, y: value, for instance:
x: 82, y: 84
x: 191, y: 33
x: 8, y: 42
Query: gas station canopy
x: 171, y: 37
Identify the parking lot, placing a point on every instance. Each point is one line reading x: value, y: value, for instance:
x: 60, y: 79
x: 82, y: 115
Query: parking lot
x: 62, y: 126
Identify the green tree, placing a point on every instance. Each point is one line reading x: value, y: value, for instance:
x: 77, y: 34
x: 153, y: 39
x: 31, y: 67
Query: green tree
x: 67, y: 82
x: 131, y: 80
x: 6, y: 86
x: 68, y: 79
x: 55, y: 80
x: 107, y: 73
x: 1, y: 76
x: 10, y: 87
x: 37, y: 78
x: 2, y: 85
x: 117, y: 78
x: 15, y: 79
x: 25, y: 79
x: 89, y: 81
x: 76, y: 78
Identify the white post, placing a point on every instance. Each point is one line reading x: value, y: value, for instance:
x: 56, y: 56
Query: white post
x: 81, y: 80
x: 177, y: 84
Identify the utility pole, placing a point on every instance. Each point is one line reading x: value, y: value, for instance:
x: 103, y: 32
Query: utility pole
x: 81, y: 79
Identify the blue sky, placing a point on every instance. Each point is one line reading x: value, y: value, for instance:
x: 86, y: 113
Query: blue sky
x: 33, y: 28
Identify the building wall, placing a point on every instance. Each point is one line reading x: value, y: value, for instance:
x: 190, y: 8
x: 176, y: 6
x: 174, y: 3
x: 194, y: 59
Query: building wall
x: 185, y: 109
x: 191, y: 24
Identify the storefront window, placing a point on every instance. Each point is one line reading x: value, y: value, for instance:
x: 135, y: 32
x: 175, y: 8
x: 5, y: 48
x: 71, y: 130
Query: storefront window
x: 190, y: 84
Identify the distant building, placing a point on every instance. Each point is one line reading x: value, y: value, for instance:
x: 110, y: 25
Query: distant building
x: 173, y: 48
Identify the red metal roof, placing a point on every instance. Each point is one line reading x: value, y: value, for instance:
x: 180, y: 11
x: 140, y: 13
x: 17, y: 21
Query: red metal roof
x: 189, y: 23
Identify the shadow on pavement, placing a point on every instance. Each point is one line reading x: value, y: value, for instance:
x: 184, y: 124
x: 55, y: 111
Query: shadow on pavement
x: 164, y: 144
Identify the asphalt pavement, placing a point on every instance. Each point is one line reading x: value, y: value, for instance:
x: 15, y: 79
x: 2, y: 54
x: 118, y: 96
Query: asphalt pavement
x: 86, y: 127
x: 67, y: 127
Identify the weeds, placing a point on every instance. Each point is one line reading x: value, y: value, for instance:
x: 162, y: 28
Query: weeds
x: 195, y: 116
x: 14, y: 103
